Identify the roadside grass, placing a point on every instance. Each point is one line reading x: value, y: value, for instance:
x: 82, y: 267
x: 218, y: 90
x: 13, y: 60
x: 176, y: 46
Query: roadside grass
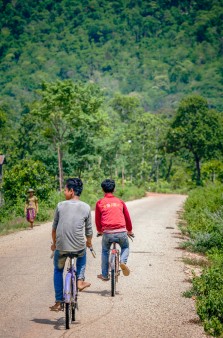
x: 203, y: 214
x: 196, y: 262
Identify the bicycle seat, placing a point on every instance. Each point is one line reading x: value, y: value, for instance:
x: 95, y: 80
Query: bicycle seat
x: 75, y: 254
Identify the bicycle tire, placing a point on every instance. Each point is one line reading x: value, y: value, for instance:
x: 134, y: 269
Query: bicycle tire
x: 73, y: 308
x: 113, y: 283
x: 68, y: 315
x: 73, y: 304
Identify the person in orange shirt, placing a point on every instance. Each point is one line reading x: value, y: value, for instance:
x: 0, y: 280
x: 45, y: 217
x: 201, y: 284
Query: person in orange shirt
x: 113, y: 222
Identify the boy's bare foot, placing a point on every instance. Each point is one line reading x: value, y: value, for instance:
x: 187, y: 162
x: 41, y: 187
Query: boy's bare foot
x: 82, y: 285
x: 105, y: 279
x: 56, y: 307
x: 125, y: 269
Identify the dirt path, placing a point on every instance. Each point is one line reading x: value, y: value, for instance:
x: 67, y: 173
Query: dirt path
x: 148, y: 303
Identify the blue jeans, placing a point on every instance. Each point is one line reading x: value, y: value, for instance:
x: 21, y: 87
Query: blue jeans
x: 59, y: 263
x: 122, y: 239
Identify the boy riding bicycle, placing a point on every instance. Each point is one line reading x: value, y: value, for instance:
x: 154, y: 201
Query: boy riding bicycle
x: 113, y: 222
x: 71, y: 222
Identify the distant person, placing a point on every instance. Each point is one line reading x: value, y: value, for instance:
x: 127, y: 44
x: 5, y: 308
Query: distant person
x: 72, y: 222
x: 31, y: 207
x: 113, y: 222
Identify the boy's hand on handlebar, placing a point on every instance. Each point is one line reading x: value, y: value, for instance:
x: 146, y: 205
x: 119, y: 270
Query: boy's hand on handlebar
x: 88, y: 243
x: 53, y: 247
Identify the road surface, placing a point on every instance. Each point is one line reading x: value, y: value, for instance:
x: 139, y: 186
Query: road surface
x: 148, y: 303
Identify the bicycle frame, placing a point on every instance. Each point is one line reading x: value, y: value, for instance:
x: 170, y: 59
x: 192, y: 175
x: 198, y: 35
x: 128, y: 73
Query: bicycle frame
x: 70, y: 279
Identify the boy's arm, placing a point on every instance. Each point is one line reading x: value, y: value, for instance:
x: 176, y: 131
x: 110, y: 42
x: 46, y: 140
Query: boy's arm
x: 54, y: 229
x: 88, y: 230
x: 127, y: 218
x: 54, y: 233
x: 98, y: 218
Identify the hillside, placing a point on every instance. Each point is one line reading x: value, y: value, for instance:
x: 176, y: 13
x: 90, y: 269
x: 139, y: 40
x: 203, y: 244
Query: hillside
x: 161, y: 50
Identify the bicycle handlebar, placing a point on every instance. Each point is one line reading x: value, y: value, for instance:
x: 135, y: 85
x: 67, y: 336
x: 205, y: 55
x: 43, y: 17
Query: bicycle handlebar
x: 92, y: 252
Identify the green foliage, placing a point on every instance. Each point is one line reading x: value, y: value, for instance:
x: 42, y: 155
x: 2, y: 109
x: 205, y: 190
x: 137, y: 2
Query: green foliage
x: 197, y: 130
x: 204, y: 216
x: 209, y: 293
x: 201, y: 208
x: 24, y: 175
x: 212, y: 170
x: 162, y: 50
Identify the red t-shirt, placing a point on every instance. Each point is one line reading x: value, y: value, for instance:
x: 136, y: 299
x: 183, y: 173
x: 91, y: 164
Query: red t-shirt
x: 111, y: 215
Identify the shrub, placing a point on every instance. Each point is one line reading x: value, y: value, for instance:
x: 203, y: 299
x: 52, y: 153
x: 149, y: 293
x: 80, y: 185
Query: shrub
x: 204, y: 216
x: 209, y: 291
x: 24, y: 175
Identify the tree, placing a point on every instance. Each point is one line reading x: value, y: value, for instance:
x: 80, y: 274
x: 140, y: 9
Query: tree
x: 64, y: 109
x: 26, y: 174
x: 3, y: 121
x: 196, y: 129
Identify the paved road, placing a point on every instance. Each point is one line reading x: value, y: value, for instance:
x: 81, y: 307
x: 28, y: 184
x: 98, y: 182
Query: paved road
x: 148, y: 304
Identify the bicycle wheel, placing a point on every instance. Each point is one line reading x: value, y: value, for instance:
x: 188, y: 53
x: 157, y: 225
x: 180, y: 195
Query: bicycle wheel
x: 113, y: 283
x: 113, y: 275
x: 68, y: 315
x: 73, y: 308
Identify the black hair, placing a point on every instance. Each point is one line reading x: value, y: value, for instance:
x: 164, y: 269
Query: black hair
x: 108, y: 185
x: 76, y: 184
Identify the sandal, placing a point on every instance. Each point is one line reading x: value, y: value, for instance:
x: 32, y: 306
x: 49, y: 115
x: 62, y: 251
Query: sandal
x: 105, y: 279
x: 56, y: 307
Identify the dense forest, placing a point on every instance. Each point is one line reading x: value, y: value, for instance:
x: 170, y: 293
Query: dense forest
x: 159, y: 50
x: 127, y: 89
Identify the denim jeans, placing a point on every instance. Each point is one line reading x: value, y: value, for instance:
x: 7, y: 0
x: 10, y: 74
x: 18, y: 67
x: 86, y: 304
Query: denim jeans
x: 59, y: 263
x: 122, y: 239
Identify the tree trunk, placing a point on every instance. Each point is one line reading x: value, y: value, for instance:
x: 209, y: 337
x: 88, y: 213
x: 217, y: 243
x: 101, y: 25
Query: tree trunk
x: 123, y: 177
x: 169, y: 169
x: 60, y: 166
x: 198, y: 169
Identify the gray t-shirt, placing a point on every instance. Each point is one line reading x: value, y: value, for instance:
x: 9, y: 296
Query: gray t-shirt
x: 72, y: 221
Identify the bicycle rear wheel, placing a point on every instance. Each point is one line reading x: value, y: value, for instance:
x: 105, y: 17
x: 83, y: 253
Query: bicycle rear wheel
x: 70, y: 309
x: 113, y: 282
x: 113, y: 274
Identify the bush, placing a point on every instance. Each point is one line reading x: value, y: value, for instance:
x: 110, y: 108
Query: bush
x: 209, y: 291
x: 27, y: 174
x: 204, y: 215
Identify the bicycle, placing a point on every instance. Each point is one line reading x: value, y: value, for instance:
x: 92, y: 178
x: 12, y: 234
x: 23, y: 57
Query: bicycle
x: 114, y: 264
x: 70, y: 304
